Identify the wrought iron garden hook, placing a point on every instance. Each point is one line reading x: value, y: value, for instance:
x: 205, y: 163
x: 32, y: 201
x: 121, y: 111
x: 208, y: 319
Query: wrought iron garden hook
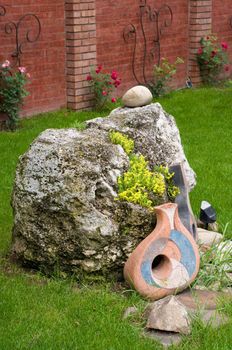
x: 161, y: 19
x: 2, y: 10
x: 31, y: 34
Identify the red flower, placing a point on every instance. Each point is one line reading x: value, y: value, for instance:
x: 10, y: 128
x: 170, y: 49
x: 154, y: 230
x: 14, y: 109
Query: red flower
x: 207, y: 38
x: 227, y: 68
x: 113, y: 100
x: 114, y: 75
x: 117, y: 82
x: 89, y: 77
x: 206, y: 62
x: 104, y: 93
x: 224, y: 45
x: 98, y: 70
x: 213, y: 53
x: 200, y: 51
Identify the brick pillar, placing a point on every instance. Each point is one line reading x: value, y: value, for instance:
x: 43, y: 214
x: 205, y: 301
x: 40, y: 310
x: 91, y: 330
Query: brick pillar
x: 200, y: 24
x: 81, y: 51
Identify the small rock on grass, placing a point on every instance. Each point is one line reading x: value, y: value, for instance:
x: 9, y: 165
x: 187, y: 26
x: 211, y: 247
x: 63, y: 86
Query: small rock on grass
x: 165, y: 338
x: 173, y: 315
x: 199, y: 299
x: 213, y: 318
x: 169, y: 314
x: 207, y: 238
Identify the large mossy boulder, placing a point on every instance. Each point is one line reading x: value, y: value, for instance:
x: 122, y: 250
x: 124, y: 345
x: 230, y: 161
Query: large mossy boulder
x: 65, y: 212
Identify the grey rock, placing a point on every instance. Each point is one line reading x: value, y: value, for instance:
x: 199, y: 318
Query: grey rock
x: 208, y: 238
x: 65, y: 212
x: 213, y: 318
x: 172, y: 316
x: 137, y: 96
x: 200, y: 299
x: 165, y: 338
x: 64, y: 204
x: 169, y: 314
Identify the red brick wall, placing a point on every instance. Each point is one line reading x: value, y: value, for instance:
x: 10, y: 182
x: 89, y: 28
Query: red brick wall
x: 222, y: 14
x: 114, y: 53
x: 79, y: 33
x: 81, y: 50
x: 45, y: 59
x: 200, y: 25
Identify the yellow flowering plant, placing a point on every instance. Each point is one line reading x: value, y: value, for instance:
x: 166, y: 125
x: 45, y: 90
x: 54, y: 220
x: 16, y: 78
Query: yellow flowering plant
x: 122, y: 140
x: 140, y: 185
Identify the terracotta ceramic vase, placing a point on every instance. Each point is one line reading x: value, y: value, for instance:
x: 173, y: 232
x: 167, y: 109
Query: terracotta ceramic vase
x: 167, y: 260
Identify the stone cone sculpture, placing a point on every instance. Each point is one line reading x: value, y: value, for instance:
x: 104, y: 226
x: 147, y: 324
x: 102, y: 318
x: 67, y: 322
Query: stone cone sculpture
x: 167, y: 260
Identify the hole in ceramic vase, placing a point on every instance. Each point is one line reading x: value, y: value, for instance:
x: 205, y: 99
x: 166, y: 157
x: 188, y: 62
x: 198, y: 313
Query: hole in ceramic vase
x: 161, y: 267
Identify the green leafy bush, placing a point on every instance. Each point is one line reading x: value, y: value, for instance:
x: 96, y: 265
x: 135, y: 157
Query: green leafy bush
x: 212, y: 58
x: 163, y: 73
x: 12, y: 92
x: 140, y: 185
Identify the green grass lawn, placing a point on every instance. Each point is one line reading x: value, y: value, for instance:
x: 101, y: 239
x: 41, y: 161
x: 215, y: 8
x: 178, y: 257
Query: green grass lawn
x: 42, y: 314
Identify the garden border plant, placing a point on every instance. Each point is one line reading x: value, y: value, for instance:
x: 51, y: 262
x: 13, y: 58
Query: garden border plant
x: 162, y: 75
x: 103, y: 84
x: 12, y: 92
x: 212, y: 57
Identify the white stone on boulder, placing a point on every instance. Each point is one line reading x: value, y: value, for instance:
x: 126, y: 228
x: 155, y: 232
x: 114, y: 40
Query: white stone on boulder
x: 137, y: 96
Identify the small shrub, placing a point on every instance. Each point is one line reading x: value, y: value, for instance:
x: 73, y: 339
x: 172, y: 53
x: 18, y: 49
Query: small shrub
x: 141, y: 186
x: 103, y: 85
x: 212, y: 58
x: 163, y: 73
x: 122, y: 140
x: 12, y: 92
